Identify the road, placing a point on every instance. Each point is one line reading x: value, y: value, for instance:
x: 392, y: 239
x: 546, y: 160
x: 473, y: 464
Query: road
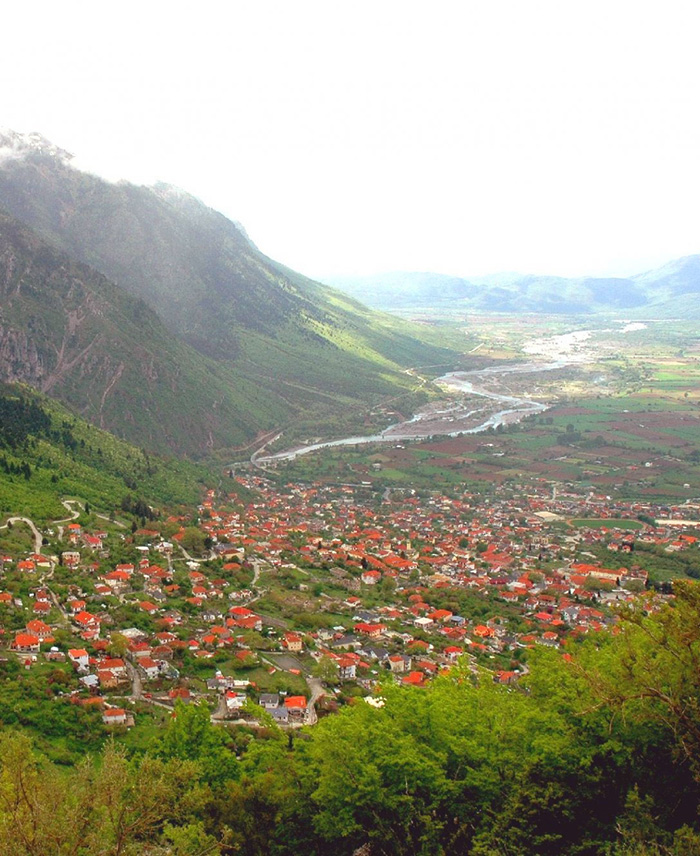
x: 136, y: 683
x: 316, y: 687
x: 47, y: 575
x: 256, y: 563
x: 68, y: 505
x: 256, y: 453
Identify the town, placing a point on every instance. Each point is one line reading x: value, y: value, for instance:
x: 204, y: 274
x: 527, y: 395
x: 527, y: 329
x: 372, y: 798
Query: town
x: 308, y: 597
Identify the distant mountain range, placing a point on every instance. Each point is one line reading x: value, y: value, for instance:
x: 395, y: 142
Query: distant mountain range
x: 157, y: 318
x: 656, y: 291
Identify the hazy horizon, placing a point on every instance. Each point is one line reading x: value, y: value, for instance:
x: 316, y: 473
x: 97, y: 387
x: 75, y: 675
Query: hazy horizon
x: 464, y: 139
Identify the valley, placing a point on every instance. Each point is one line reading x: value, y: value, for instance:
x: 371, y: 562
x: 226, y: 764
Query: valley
x: 303, y: 595
x: 279, y: 573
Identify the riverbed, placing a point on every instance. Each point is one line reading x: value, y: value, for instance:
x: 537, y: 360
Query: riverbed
x: 475, y: 402
x: 479, y: 399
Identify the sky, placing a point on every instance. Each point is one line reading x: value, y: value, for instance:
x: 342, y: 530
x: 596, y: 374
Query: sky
x: 353, y: 138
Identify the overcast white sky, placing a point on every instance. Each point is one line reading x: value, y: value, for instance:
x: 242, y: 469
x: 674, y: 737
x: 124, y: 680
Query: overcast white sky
x: 462, y: 137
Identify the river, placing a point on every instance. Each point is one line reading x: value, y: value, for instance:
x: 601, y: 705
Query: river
x: 474, y: 405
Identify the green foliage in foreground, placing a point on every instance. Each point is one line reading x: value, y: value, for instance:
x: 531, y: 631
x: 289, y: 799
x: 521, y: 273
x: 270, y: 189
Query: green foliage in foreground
x: 596, y: 753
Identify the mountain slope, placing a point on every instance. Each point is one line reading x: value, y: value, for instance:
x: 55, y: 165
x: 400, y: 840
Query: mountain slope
x: 69, y: 332
x: 197, y: 269
x: 47, y: 453
x: 496, y: 293
x: 680, y: 276
x: 274, y: 348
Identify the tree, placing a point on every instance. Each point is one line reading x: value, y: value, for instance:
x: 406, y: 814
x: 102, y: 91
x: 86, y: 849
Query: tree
x: 326, y: 670
x: 653, y: 672
x: 191, y: 736
x: 193, y: 540
x: 118, y: 644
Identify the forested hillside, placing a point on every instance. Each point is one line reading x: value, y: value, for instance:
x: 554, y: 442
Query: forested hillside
x: 46, y: 454
x: 597, y: 753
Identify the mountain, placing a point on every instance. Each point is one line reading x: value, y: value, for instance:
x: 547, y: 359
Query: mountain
x: 657, y: 290
x: 397, y: 290
x: 679, y: 277
x: 252, y: 345
x: 68, y: 331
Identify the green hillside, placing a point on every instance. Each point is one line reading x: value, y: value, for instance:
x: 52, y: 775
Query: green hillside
x: 47, y: 454
x: 273, y: 348
x: 70, y: 332
x: 73, y: 334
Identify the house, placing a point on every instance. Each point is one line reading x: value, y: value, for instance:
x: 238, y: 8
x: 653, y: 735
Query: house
x: 452, y: 652
x: 87, y: 621
x: 118, y: 581
x: 138, y: 650
x: 293, y: 642
x: 346, y: 668
x: 41, y: 629
x: 440, y: 615
x: 115, y: 665
x: 79, y: 657
x: 108, y: 680
x: 92, y: 682
x: 399, y: 663
x: 270, y: 701
x: 150, y: 667
x: 252, y: 622
x: 371, y: 630
x: 114, y: 716
x: 181, y: 693
x: 295, y: 705
x: 280, y: 715
x: 26, y: 643
x: 234, y: 700
x: 148, y: 607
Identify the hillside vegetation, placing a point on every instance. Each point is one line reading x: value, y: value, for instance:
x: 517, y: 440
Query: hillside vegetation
x: 47, y: 454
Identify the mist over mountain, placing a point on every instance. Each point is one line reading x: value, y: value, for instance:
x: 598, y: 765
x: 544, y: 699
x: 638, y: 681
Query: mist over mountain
x: 239, y: 343
x: 655, y: 290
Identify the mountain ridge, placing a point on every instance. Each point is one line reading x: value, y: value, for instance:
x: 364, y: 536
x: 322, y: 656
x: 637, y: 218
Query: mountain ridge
x: 513, y: 292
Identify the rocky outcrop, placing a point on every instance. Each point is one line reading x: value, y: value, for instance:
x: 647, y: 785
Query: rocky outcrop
x: 20, y: 360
